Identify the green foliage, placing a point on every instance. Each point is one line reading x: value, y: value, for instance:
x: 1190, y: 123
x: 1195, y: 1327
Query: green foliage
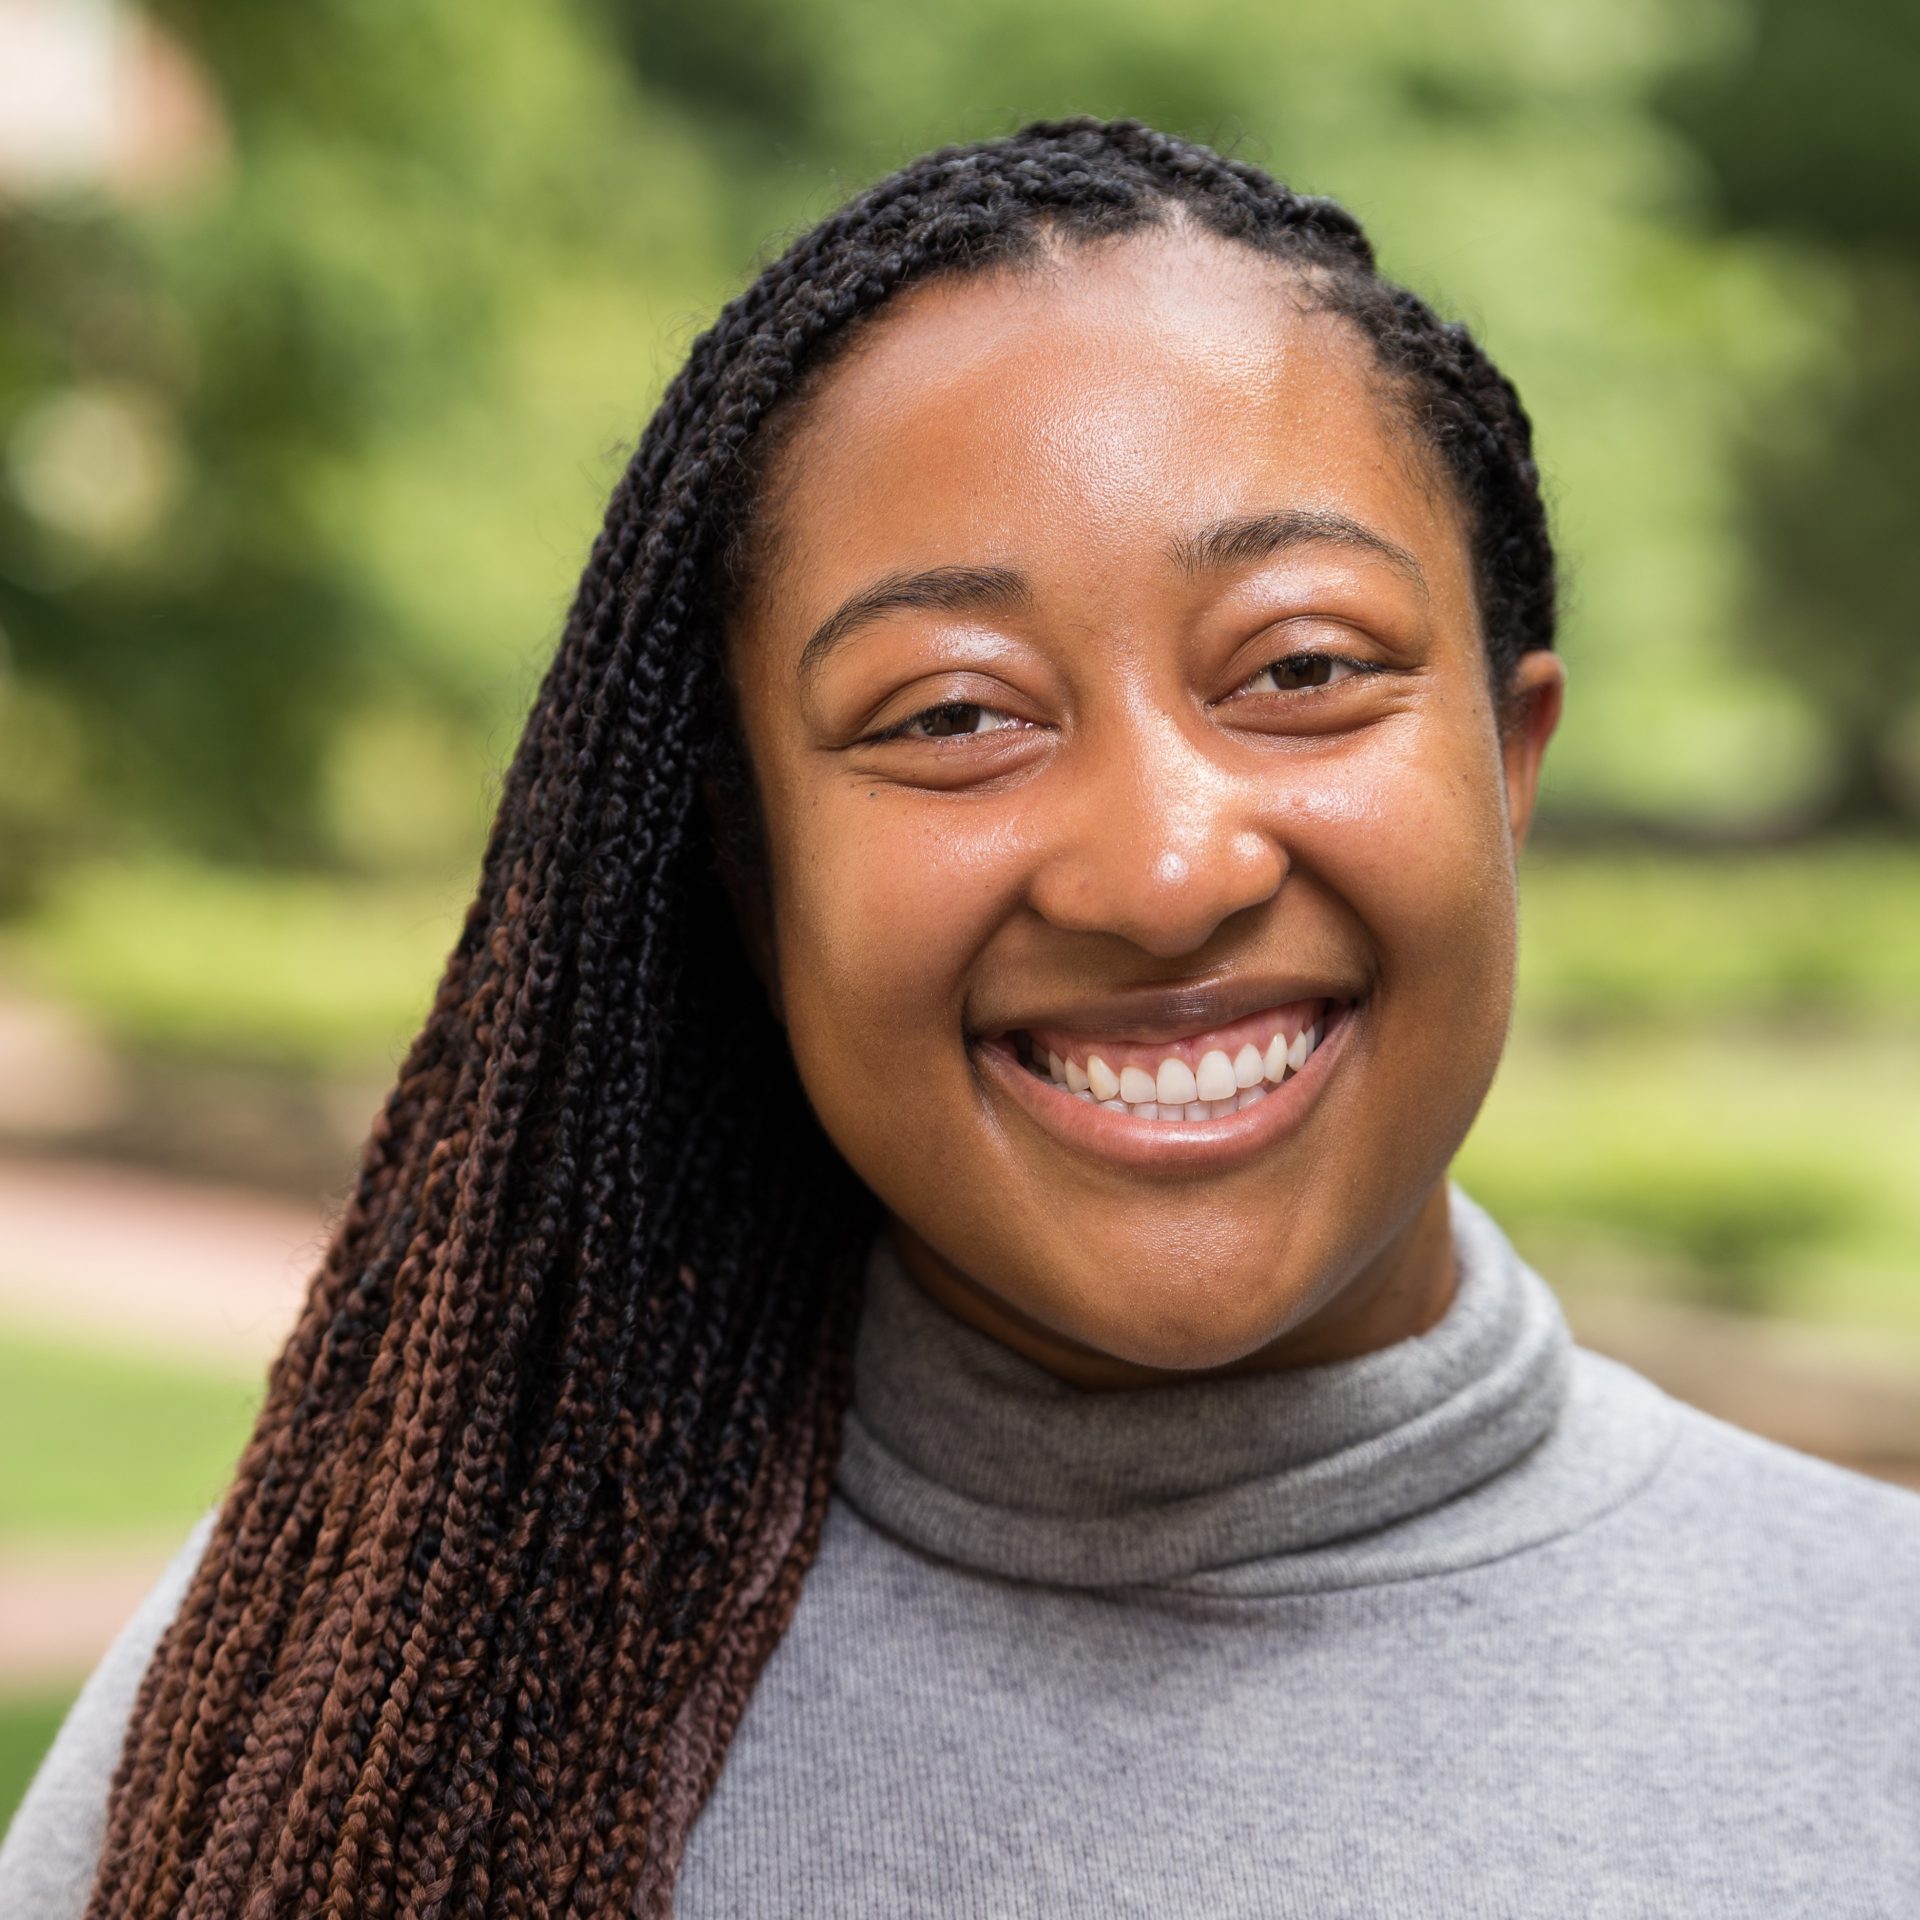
x: 101, y: 1444
x: 1805, y: 934
x: 1712, y: 1074
x: 278, y: 970
x: 28, y: 1723
x: 1831, y: 90
x: 331, y: 437
x: 409, y: 186
x: 1711, y: 1071
x: 1763, y: 1163
x: 1736, y: 1224
x: 115, y: 1442
x: 1831, y: 592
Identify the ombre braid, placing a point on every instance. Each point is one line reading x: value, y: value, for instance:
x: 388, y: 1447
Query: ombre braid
x: 541, y: 1469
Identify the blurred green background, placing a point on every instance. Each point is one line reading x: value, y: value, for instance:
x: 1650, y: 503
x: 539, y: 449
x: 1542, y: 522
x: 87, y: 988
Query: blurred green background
x: 324, y: 335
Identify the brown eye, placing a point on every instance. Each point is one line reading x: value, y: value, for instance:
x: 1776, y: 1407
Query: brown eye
x: 957, y: 716
x: 949, y: 720
x: 1301, y: 673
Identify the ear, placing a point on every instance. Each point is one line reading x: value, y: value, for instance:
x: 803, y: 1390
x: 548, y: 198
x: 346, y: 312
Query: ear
x: 740, y: 852
x: 1529, y: 714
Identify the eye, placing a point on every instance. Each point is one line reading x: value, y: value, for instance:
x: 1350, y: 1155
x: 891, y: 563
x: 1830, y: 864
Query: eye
x: 949, y: 719
x: 1304, y: 673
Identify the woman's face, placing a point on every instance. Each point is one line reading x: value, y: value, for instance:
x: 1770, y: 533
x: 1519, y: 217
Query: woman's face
x: 1115, y: 692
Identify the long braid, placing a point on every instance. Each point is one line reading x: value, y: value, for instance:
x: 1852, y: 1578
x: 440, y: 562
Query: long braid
x: 540, y: 1471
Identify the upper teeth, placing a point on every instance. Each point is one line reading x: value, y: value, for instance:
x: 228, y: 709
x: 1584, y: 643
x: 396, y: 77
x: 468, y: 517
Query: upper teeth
x: 1217, y: 1084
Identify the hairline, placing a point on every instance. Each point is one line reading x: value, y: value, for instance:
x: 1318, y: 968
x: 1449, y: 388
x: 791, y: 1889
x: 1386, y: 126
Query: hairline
x: 753, y: 557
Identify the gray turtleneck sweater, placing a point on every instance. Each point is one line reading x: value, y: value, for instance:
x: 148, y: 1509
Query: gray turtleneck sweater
x: 1480, y: 1624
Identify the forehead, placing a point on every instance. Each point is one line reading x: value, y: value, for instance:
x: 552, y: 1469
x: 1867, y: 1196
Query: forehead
x: 1076, y: 414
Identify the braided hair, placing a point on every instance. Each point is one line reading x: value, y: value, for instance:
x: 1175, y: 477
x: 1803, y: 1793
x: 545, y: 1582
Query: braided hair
x: 541, y: 1468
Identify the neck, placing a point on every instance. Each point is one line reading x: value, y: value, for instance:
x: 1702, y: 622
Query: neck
x: 1399, y: 1293
x: 1290, y: 1479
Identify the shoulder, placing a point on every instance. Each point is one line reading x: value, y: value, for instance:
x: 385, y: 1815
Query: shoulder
x: 49, y: 1853
x: 1731, y: 1512
x: 1744, y: 1479
x: 1833, y: 1521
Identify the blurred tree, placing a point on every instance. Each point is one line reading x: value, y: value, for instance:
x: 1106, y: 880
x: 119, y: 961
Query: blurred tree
x: 191, y: 390
x: 1810, y: 141
x: 1506, y: 159
x: 300, y: 467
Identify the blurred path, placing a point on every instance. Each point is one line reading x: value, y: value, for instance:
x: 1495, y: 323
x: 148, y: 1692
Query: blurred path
x: 60, y: 1607
x: 209, y: 1274
x: 216, y: 1275
x: 213, y: 1274
x: 1818, y: 1389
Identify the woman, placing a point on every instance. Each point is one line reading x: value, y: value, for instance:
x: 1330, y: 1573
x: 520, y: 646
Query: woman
x: 905, y: 1343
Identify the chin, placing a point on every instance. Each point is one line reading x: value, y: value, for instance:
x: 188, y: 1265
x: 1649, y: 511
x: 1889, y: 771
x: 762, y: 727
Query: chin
x: 1193, y: 1325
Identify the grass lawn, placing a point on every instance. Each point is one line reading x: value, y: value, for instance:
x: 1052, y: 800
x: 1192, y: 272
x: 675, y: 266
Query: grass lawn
x: 1615, y: 937
x: 1713, y: 1084
x: 102, y: 1442
x: 1712, y: 1090
x: 290, y: 971
x: 318, y: 973
x: 28, y: 1723
x: 1761, y: 1167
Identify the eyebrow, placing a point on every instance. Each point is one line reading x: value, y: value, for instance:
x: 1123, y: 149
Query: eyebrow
x: 1259, y: 536
x: 931, y: 590
x: 1235, y: 541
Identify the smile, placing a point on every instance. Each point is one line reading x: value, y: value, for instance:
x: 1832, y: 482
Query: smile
x: 1201, y: 1101
x: 1204, y: 1077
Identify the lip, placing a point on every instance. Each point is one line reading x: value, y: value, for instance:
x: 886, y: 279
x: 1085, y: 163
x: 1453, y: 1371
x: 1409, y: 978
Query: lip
x: 1157, y: 1146
x: 1170, y: 1013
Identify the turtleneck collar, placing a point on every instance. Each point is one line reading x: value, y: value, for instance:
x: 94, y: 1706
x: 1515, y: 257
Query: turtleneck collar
x: 1313, y: 1476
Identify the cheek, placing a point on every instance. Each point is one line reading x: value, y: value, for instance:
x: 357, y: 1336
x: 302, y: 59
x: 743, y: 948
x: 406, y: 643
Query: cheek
x: 880, y: 907
x: 1418, y: 845
x: 1431, y: 837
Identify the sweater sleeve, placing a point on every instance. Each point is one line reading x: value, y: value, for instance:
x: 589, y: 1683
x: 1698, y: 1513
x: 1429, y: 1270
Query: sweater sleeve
x: 50, y: 1852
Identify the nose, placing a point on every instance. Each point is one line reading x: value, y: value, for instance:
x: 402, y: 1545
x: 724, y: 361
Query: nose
x: 1153, y: 839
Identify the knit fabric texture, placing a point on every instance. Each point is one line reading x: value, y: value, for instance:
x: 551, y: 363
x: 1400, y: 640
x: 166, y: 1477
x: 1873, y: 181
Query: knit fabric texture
x: 1481, y: 1623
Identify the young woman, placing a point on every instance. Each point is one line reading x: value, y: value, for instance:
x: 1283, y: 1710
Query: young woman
x: 905, y: 1343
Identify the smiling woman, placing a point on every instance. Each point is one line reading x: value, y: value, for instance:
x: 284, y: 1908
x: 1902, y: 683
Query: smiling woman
x: 906, y: 1343
x: 1137, y: 719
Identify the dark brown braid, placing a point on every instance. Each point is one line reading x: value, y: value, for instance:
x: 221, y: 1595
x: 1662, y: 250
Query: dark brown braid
x: 541, y: 1469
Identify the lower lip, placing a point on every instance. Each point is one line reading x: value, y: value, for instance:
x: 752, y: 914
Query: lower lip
x: 1169, y: 1146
